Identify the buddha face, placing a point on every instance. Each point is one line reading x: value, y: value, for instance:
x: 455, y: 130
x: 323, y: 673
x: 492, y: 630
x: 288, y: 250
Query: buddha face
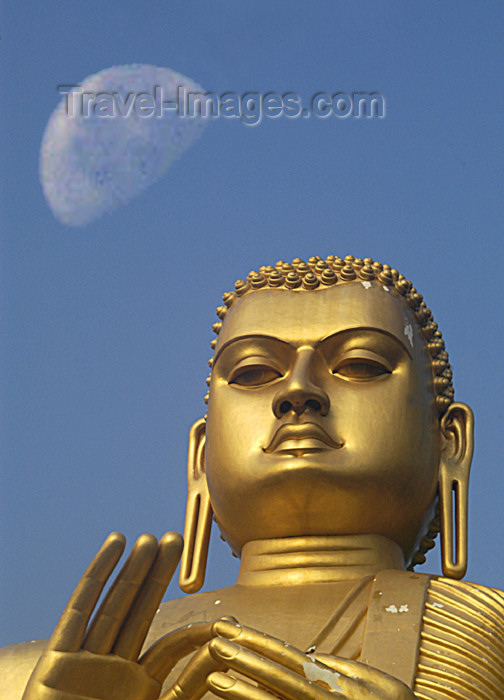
x: 322, y: 417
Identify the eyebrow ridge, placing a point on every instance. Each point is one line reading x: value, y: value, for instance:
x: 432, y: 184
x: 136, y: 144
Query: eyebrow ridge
x: 251, y: 336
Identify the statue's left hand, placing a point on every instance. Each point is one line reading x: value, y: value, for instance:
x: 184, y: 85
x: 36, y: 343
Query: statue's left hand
x: 102, y: 662
x: 269, y: 668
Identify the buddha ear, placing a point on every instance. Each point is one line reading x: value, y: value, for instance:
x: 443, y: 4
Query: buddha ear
x: 457, y: 427
x: 198, y: 521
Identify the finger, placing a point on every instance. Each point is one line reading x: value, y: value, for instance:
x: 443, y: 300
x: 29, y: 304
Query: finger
x: 192, y: 682
x: 350, y: 668
x: 225, y: 686
x: 313, y: 681
x: 162, y: 656
x: 364, y: 674
x: 275, y: 649
x: 134, y: 630
x: 69, y: 632
x: 114, y: 608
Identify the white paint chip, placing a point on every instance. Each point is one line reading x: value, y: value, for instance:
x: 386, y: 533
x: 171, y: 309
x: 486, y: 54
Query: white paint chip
x: 217, y: 602
x: 366, y: 285
x: 394, y: 609
x: 313, y: 672
x: 408, y: 331
x: 385, y: 288
x: 437, y: 605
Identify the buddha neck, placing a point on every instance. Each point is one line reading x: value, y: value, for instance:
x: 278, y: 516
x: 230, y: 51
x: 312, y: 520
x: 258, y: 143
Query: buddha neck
x: 317, y: 559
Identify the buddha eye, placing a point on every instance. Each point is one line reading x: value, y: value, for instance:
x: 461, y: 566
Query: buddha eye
x: 360, y: 369
x: 254, y: 375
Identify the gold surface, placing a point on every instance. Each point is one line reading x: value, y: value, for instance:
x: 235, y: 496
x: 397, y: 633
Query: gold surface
x: 331, y: 444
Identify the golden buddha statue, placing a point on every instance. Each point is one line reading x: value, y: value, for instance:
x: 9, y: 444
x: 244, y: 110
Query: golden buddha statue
x: 331, y: 455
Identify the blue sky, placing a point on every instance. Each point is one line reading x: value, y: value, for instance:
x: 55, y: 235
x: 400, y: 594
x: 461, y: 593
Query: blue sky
x: 106, y: 328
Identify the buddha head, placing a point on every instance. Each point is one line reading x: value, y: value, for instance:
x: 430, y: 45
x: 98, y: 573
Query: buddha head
x: 330, y: 412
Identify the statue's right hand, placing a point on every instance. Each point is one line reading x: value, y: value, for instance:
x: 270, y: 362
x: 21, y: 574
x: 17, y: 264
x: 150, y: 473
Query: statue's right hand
x: 101, y: 661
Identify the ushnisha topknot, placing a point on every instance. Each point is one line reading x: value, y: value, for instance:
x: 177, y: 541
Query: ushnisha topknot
x: 318, y: 273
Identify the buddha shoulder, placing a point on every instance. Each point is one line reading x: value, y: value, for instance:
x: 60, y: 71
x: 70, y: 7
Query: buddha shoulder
x: 17, y: 661
x: 471, y: 608
x: 462, y: 640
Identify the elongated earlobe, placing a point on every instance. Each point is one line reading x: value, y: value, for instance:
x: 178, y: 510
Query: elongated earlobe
x: 457, y: 426
x: 198, y: 522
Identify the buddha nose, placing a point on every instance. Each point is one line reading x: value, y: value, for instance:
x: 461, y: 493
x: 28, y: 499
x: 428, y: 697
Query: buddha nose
x: 299, y: 391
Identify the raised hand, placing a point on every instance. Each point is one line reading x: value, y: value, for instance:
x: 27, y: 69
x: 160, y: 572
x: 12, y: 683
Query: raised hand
x: 100, y: 661
x: 269, y: 668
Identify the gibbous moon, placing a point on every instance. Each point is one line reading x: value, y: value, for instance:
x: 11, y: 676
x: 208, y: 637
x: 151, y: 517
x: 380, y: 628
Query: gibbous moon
x: 111, y: 137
